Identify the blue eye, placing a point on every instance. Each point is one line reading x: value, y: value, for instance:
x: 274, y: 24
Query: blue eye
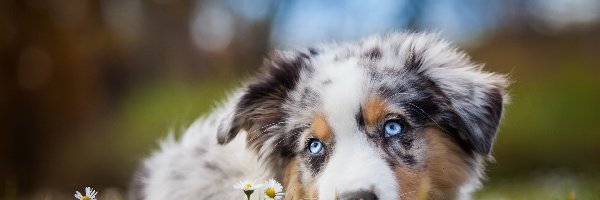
x: 315, y: 146
x: 393, y: 128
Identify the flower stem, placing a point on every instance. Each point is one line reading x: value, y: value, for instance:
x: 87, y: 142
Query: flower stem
x: 248, y: 193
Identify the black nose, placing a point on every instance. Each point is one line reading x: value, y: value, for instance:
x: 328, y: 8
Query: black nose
x: 359, y: 195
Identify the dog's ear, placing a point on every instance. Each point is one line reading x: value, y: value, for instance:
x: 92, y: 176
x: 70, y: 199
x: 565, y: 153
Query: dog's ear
x: 476, y: 100
x: 261, y: 101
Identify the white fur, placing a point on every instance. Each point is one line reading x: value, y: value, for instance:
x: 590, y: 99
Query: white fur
x: 341, y: 99
x: 355, y: 164
x: 187, y: 159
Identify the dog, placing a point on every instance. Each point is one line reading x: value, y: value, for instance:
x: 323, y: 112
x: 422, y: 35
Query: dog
x: 392, y: 116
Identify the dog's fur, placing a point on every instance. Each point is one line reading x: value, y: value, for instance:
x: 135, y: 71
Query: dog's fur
x: 342, y: 94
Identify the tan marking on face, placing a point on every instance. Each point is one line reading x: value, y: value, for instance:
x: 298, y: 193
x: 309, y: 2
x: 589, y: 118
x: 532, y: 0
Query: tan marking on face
x: 299, y: 188
x: 293, y: 186
x: 445, y: 171
x: 312, y: 193
x: 409, y: 181
x: 291, y: 181
x: 374, y: 110
x: 320, y: 128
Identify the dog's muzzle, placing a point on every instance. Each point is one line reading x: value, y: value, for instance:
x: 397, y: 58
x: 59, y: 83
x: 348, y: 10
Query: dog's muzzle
x: 358, y: 195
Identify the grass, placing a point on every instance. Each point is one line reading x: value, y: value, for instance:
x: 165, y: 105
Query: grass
x: 548, y: 187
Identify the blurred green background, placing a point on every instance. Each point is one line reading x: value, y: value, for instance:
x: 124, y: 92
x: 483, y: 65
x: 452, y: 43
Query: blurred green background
x: 87, y: 87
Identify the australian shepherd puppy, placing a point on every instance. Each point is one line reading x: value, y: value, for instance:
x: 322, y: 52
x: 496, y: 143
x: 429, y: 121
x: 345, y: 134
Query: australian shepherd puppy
x: 394, y: 116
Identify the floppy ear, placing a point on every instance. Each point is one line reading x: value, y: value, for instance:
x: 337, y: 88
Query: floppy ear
x: 260, y: 104
x: 476, y: 101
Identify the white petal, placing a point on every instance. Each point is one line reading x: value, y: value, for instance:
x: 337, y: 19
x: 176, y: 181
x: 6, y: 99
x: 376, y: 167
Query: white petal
x: 239, y: 185
x: 78, y: 195
x: 93, y: 194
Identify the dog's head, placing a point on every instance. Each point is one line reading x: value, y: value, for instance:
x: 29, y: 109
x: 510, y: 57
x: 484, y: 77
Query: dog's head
x: 398, y: 116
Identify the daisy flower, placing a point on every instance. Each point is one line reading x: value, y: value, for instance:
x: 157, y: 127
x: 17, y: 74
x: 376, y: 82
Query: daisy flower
x: 273, y: 189
x: 90, y: 194
x: 247, y: 186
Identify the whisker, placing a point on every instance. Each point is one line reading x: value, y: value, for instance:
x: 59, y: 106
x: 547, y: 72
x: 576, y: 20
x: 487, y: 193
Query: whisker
x: 399, y: 94
x: 284, y: 138
x: 267, y: 126
x: 264, y: 129
x: 422, y: 112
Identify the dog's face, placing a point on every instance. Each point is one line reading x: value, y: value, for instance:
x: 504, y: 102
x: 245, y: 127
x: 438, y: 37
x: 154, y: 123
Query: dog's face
x: 401, y: 116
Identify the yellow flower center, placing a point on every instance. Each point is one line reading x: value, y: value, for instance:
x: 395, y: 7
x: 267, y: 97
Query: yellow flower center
x: 86, y: 198
x: 270, y: 192
x: 248, y: 185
